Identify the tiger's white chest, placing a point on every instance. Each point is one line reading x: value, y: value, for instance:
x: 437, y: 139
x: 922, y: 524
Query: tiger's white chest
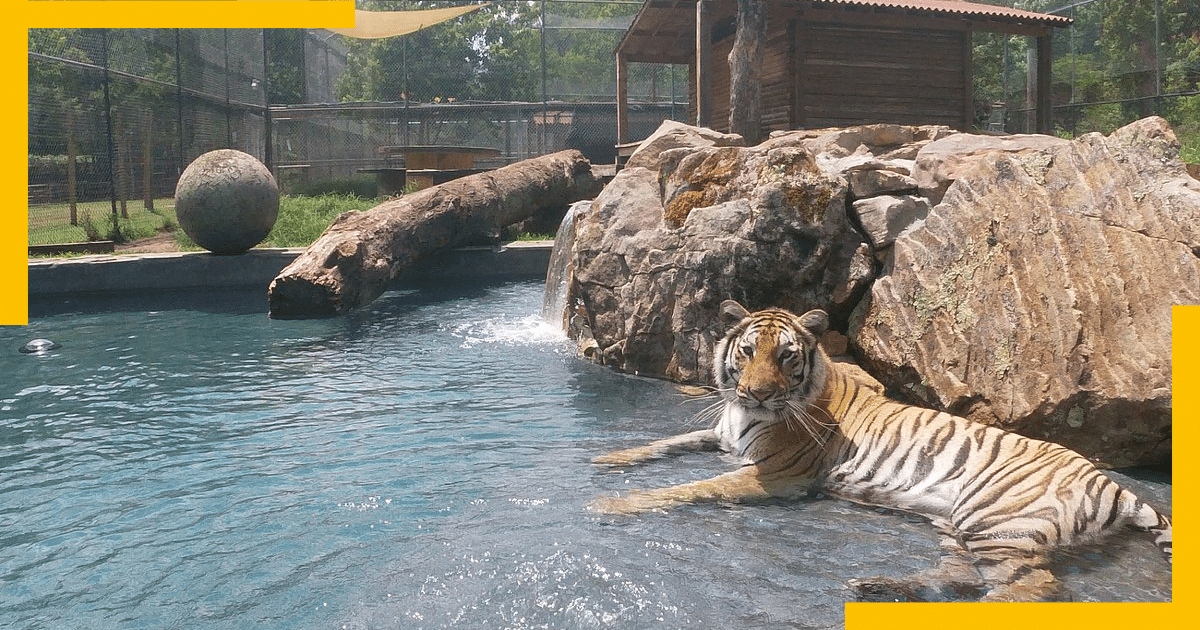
x: 741, y: 430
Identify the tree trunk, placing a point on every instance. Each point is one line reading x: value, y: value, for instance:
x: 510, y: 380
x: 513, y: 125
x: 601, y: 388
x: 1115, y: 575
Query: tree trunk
x: 352, y: 262
x: 745, y: 59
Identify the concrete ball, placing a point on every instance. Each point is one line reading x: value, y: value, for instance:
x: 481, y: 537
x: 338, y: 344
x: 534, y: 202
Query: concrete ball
x: 226, y: 201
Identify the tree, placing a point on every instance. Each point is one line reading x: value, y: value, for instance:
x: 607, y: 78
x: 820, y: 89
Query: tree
x: 493, y: 54
x: 745, y: 104
x: 285, y: 65
x: 57, y: 94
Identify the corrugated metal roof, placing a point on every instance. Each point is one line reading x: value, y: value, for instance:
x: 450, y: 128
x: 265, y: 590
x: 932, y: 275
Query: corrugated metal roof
x: 957, y: 7
x: 664, y: 30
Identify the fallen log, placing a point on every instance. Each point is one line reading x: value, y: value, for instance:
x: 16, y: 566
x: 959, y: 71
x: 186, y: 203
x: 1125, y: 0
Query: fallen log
x: 350, y: 264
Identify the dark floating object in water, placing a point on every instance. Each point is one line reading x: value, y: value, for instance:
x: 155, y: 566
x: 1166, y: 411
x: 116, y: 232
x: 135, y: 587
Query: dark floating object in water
x: 40, y: 345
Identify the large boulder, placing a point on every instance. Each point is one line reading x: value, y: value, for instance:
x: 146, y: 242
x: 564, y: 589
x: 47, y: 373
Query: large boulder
x: 226, y: 201
x: 679, y: 230
x: 940, y: 162
x: 672, y: 134
x: 1037, y: 296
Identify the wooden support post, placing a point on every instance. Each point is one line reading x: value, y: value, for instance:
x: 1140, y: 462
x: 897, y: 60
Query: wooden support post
x: 1044, y: 116
x: 968, y: 80
x: 704, y: 63
x: 745, y: 84
x: 622, y: 98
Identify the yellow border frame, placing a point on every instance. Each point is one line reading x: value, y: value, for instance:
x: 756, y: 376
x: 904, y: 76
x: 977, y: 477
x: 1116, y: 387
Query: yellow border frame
x: 314, y: 14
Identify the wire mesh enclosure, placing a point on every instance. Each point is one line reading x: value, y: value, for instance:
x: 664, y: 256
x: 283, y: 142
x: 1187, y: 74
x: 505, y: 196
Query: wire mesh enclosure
x: 116, y: 114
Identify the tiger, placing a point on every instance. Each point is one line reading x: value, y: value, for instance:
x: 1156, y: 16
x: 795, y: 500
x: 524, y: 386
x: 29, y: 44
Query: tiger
x: 803, y: 424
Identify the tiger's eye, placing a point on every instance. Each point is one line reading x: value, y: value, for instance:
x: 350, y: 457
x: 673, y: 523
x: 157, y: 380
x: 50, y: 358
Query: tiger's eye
x: 748, y: 350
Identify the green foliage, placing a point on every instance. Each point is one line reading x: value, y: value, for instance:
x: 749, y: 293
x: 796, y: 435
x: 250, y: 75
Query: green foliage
x: 362, y: 186
x: 1190, y: 154
x: 493, y: 54
x: 101, y: 228
x: 450, y: 61
x: 1119, y: 61
x: 90, y: 230
x: 302, y: 219
x: 185, y: 242
x: 1184, y: 115
x: 534, y: 236
x: 50, y: 223
x: 285, y: 77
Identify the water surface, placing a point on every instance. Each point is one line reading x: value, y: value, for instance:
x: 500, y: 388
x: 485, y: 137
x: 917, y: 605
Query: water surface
x: 183, y: 461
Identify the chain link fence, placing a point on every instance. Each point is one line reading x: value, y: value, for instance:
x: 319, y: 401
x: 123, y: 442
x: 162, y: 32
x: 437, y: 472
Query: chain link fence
x: 1119, y: 61
x: 549, y: 85
x: 115, y: 115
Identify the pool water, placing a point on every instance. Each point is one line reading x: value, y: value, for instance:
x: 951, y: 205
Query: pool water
x: 187, y: 462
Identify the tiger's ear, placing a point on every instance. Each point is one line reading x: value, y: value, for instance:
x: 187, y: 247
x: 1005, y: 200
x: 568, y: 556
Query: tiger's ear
x: 815, y: 322
x: 732, y: 312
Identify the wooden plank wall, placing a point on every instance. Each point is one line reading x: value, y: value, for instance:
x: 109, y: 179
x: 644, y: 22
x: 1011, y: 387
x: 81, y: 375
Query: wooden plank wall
x: 719, y: 100
x: 827, y: 75
x: 854, y: 75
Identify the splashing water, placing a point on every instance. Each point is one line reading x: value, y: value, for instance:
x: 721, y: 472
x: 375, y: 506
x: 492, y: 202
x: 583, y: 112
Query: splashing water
x: 554, y: 299
x: 512, y: 331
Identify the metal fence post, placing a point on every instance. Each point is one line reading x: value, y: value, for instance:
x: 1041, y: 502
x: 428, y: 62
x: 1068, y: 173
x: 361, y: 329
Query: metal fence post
x: 112, y: 167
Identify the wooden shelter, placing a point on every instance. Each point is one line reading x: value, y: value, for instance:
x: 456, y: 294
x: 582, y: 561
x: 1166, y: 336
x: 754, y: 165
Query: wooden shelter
x: 834, y: 62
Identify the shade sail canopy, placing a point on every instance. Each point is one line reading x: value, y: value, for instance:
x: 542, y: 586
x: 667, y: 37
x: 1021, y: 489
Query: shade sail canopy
x: 380, y: 24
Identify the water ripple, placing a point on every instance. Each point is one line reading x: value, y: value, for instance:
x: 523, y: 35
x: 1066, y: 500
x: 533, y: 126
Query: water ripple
x: 421, y: 464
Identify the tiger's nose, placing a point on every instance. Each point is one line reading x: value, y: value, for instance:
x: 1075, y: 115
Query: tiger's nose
x: 759, y: 394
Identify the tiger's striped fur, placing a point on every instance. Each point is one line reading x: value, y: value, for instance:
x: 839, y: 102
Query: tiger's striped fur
x: 1001, y: 500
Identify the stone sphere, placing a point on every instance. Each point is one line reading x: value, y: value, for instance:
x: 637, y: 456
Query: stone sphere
x: 226, y: 201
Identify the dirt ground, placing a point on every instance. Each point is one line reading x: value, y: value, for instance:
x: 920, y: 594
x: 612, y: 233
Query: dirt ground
x: 164, y: 242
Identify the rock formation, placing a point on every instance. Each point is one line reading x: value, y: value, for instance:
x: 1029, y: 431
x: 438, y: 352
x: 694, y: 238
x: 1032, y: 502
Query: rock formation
x: 1026, y: 281
x: 1037, y: 295
x: 660, y: 248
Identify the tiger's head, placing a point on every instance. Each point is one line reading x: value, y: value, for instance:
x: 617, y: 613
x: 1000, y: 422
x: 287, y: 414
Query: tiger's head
x: 769, y: 363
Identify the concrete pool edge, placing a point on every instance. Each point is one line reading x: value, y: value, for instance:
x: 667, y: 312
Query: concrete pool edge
x: 187, y: 270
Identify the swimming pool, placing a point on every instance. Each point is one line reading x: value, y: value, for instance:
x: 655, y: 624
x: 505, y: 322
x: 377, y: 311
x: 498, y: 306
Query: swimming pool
x: 184, y: 461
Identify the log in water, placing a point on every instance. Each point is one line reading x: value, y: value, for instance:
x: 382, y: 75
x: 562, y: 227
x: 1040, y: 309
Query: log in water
x: 352, y: 262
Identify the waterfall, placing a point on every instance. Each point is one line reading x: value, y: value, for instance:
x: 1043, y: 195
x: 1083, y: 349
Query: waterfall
x: 555, y: 296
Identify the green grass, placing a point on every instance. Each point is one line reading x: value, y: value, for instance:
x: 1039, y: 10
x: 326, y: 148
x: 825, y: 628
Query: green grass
x: 528, y: 236
x: 301, y: 220
x: 1190, y: 154
x: 51, y: 223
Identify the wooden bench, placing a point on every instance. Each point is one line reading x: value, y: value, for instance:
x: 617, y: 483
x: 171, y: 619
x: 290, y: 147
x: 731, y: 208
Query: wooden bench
x: 429, y: 165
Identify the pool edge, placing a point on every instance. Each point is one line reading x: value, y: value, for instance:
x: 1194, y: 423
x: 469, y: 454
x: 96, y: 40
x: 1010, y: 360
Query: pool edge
x: 257, y: 267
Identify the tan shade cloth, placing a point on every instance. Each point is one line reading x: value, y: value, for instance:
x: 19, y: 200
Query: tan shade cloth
x: 380, y: 24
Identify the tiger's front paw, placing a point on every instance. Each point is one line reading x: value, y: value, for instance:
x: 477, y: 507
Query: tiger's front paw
x: 632, y: 503
x: 616, y: 458
x: 629, y: 456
